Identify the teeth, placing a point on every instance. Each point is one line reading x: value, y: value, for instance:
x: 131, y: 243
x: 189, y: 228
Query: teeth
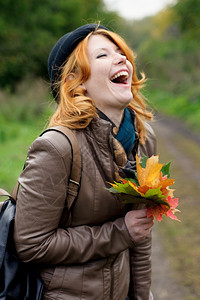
x: 122, y: 73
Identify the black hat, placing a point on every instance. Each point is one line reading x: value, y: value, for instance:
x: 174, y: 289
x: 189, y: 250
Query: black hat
x: 63, y: 48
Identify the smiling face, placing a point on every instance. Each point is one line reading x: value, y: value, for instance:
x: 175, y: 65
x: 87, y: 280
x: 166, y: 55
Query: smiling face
x: 111, y: 75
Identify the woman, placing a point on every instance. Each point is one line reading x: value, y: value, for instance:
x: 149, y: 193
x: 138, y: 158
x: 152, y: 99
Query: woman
x: 105, y: 253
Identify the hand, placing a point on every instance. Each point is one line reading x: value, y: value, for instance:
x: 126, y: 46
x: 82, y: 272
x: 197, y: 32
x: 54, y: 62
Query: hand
x: 138, y: 225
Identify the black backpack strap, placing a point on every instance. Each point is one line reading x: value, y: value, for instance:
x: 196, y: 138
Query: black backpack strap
x: 75, y: 175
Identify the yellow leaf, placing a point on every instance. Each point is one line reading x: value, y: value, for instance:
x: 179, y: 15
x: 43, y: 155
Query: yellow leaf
x: 133, y: 185
x: 151, y: 174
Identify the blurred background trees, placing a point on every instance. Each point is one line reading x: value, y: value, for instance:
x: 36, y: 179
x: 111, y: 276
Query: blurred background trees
x: 28, y: 30
x: 167, y: 48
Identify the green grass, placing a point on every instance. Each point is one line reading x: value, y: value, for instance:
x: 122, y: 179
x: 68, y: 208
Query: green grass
x: 13, y: 152
x: 185, y: 106
x: 182, y: 240
x: 23, y: 117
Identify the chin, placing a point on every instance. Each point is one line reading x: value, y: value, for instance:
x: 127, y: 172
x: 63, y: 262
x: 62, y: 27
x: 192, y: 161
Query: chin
x: 126, y: 101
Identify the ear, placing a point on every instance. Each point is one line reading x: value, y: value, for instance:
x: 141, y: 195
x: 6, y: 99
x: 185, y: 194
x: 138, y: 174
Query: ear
x: 82, y: 85
x: 73, y: 76
x: 70, y: 77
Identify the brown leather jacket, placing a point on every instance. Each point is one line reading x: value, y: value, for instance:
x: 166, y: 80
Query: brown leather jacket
x: 95, y: 257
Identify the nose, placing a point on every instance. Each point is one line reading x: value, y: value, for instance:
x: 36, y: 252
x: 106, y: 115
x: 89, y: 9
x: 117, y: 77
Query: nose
x: 119, y: 59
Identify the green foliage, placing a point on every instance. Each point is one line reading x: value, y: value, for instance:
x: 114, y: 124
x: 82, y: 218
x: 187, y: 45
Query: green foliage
x: 181, y: 106
x: 188, y: 17
x: 23, y: 116
x: 29, y: 29
x: 123, y: 188
x: 165, y: 169
x: 13, y: 151
x: 167, y: 48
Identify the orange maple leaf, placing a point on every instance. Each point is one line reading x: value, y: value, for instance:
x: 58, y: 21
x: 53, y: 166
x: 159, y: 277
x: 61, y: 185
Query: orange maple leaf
x: 151, y: 177
x: 161, y: 210
x: 124, y: 181
x: 153, y: 187
x: 135, y: 187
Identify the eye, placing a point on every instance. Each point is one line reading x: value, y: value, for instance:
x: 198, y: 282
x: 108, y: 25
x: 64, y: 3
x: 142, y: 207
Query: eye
x: 122, y: 53
x: 101, y: 55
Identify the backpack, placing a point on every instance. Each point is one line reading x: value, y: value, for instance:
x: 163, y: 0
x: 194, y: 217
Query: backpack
x: 19, y: 280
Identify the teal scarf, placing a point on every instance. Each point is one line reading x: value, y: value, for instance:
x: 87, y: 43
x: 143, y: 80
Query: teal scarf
x: 126, y: 133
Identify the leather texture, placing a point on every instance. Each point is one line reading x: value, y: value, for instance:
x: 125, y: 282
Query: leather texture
x: 75, y: 173
x: 21, y: 281
x: 93, y: 258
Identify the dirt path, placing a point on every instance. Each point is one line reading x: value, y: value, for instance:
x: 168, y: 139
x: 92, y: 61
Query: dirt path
x: 165, y: 286
x: 183, y: 148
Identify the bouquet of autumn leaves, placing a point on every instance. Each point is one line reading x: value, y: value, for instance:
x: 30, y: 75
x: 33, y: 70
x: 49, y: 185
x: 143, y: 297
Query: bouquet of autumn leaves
x: 150, y: 186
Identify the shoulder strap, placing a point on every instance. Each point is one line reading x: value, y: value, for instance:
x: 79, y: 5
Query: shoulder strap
x: 4, y: 193
x: 11, y: 197
x: 75, y: 175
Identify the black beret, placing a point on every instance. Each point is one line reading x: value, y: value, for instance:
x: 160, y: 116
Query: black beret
x: 63, y: 48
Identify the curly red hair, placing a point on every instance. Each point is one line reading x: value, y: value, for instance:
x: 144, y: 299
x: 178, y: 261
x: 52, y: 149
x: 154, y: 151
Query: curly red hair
x: 76, y: 110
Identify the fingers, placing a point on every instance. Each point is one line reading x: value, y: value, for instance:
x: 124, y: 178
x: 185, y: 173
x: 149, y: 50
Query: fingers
x: 138, y: 225
x: 139, y: 214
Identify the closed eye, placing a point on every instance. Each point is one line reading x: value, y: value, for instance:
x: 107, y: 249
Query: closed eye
x: 101, y: 55
x: 122, y: 53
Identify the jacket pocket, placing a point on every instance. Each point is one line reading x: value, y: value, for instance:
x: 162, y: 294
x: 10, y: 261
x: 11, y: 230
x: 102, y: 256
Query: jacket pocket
x: 53, y: 280
x: 47, y: 276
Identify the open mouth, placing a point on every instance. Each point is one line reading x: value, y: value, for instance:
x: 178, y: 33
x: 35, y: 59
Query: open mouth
x: 120, y: 77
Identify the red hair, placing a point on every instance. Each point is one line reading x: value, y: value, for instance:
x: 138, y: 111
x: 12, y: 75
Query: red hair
x: 75, y: 110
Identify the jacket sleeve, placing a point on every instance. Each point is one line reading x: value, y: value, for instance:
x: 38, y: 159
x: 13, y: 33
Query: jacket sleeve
x: 140, y: 261
x: 40, y: 203
x: 150, y: 146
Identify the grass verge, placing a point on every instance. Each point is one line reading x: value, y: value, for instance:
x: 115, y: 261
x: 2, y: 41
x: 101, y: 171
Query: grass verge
x: 23, y: 117
x: 182, y: 240
x: 185, y: 107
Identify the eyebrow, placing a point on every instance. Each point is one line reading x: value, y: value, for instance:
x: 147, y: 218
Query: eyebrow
x: 105, y: 49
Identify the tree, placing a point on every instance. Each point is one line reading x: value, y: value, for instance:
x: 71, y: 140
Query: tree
x: 188, y: 17
x: 29, y: 29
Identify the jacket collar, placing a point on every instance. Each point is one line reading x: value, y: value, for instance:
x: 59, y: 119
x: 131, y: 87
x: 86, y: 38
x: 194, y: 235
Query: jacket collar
x: 102, y: 126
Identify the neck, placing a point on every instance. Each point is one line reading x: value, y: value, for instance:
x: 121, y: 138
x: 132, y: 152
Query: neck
x: 115, y: 116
